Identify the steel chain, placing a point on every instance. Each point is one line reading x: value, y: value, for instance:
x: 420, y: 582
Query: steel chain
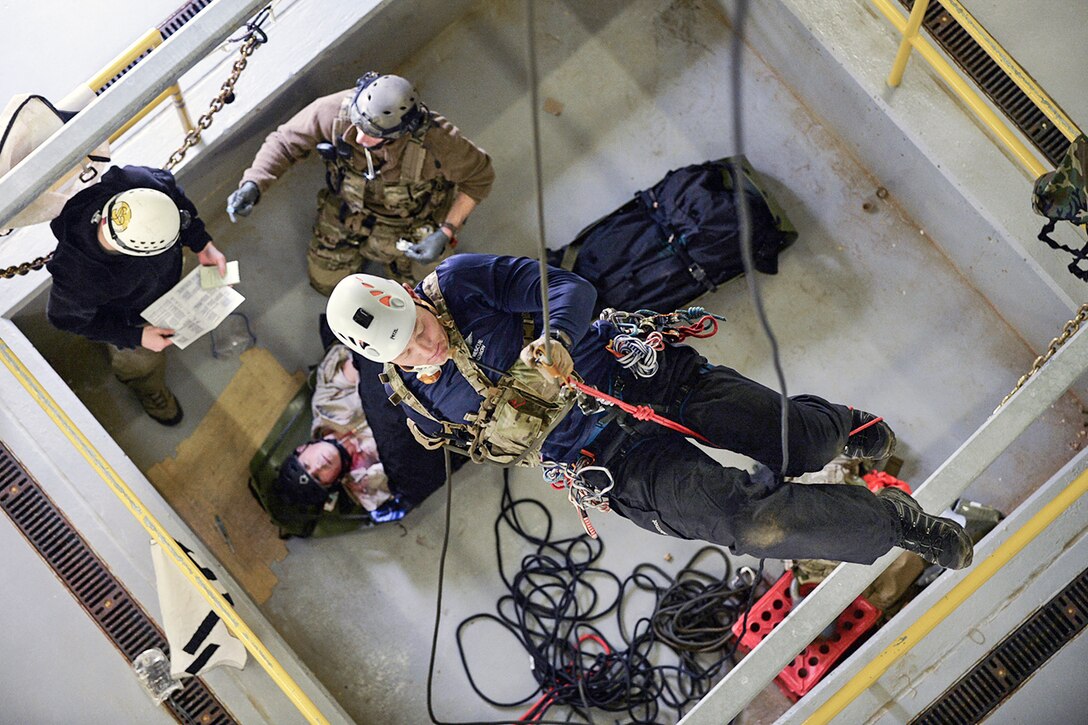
x: 254, y: 38
x: 225, y: 95
x: 1067, y: 332
x: 24, y: 267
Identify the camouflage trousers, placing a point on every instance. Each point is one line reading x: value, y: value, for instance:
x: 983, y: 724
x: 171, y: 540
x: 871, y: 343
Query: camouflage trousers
x: 345, y: 241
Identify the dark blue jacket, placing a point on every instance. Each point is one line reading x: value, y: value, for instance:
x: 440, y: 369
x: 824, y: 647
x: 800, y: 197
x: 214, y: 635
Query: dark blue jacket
x: 486, y: 295
x: 100, y: 295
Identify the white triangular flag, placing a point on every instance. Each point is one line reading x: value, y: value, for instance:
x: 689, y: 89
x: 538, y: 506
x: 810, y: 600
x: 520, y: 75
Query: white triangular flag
x: 197, y: 636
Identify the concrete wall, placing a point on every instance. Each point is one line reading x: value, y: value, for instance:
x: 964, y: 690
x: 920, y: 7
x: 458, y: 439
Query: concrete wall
x: 940, y: 166
x: 54, y: 45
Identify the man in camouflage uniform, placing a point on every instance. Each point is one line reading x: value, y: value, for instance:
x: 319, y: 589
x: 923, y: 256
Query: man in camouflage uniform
x: 401, y: 180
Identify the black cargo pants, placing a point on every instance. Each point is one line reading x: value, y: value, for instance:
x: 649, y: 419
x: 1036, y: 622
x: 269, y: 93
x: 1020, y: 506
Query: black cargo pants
x: 665, y: 483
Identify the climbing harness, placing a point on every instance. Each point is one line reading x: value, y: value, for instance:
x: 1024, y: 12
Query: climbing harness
x: 251, y: 39
x: 642, y: 335
x: 516, y: 413
x: 1067, y: 332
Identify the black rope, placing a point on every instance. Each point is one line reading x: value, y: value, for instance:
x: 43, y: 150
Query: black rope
x: 558, y: 598
x: 736, y: 53
x: 253, y: 28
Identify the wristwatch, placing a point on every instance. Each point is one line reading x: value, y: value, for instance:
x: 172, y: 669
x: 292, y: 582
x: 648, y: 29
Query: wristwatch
x: 451, y: 229
x: 561, y: 337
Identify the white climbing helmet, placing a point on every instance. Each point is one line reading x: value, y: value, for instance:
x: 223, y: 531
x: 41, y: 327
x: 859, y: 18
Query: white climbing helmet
x: 373, y: 316
x: 141, y: 222
x: 385, y: 106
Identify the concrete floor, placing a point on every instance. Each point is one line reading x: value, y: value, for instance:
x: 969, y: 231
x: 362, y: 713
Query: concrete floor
x: 867, y: 309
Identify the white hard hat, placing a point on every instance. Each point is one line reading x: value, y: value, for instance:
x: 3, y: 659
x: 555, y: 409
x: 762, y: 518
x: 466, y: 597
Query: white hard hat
x: 141, y: 222
x: 373, y: 316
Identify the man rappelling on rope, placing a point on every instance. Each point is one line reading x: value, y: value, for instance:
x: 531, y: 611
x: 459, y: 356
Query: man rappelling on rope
x: 466, y: 355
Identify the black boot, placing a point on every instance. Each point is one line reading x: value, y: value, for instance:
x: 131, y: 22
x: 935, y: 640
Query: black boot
x: 875, y: 441
x: 937, y: 540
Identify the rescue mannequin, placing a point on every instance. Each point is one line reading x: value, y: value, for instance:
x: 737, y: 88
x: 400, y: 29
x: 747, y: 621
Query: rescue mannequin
x: 342, y: 456
x: 400, y: 180
x: 466, y: 319
x: 118, y: 250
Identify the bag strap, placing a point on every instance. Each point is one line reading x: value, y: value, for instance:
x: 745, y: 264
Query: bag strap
x: 1078, y: 255
x: 677, y: 247
x: 462, y: 355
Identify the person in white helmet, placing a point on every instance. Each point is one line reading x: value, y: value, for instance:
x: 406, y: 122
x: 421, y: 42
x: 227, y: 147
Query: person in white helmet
x: 465, y: 353
x: 400, y: 180
x: 119, y: 248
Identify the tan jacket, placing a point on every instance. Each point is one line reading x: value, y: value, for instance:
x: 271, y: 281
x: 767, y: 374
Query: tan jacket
x: 450, y: 155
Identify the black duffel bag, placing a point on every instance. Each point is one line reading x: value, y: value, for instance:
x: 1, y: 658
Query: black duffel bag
x: 677, y: 240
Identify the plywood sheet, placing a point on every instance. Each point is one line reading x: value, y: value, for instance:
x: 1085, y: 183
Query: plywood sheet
x: 208, y: 476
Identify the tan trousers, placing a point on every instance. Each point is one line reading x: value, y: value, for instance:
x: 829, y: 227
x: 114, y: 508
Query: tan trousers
x: 144, y: 372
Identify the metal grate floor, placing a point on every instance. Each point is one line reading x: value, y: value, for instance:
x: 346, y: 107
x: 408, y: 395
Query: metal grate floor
x: 96, y: 589
x: 993, y: 81
x: 1015, y: 659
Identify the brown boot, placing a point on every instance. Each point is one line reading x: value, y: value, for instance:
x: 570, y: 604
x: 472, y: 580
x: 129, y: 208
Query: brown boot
x: 162, y: 406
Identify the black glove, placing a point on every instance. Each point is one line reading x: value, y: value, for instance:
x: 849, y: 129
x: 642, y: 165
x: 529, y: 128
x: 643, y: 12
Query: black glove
x: 430, y: 248
x: 392, y: 510
x: 241, y: 202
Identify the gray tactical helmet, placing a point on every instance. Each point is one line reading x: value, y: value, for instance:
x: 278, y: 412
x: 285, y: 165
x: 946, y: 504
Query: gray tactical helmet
x: 386, y: 106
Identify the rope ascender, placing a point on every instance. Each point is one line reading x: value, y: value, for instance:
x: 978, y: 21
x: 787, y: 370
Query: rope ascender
x: 251, y: 38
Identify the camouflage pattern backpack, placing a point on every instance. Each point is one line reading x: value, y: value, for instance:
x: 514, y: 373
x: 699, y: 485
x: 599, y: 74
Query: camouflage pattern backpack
x: 1062, y: 195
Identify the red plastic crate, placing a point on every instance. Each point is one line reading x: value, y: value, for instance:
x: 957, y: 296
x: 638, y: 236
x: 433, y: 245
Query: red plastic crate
x: 877, y: 480
x: 818, y: 658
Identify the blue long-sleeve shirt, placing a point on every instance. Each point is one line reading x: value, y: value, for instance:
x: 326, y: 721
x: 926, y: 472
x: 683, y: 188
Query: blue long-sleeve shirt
x: 100, y: 295
x: 486, y: 296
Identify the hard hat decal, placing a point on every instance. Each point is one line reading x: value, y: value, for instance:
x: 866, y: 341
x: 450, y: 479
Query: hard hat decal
x: 121, y: 215
x: 385, y: 298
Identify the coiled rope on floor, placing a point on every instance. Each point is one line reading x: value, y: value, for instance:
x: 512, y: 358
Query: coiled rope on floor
x: 556, y: 606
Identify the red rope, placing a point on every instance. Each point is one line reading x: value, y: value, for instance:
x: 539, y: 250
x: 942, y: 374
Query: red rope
x: 640, y: 412
x: 871, y: 423
x: 705, y: 326
x: 540, y: 707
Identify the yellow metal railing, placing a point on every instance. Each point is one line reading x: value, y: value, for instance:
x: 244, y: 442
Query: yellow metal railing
x: 1012, y: 69
x: 159, y: 534
x: 913, y: 40
x: 149, y: 41
x: 925, y: 624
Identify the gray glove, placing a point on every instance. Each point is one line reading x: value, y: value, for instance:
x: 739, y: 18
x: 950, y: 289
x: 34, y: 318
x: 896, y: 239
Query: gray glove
x: 242, y: 200
x: 429, y: 249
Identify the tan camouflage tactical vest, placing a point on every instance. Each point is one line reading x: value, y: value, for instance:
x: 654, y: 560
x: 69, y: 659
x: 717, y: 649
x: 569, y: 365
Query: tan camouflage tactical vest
x: 516, y: 414
x: 409, y: 198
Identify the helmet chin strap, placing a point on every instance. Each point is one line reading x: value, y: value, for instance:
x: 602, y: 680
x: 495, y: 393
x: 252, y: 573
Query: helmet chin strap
x: 345, y: 457
x: 427, y: 374
x: 370, y: 173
